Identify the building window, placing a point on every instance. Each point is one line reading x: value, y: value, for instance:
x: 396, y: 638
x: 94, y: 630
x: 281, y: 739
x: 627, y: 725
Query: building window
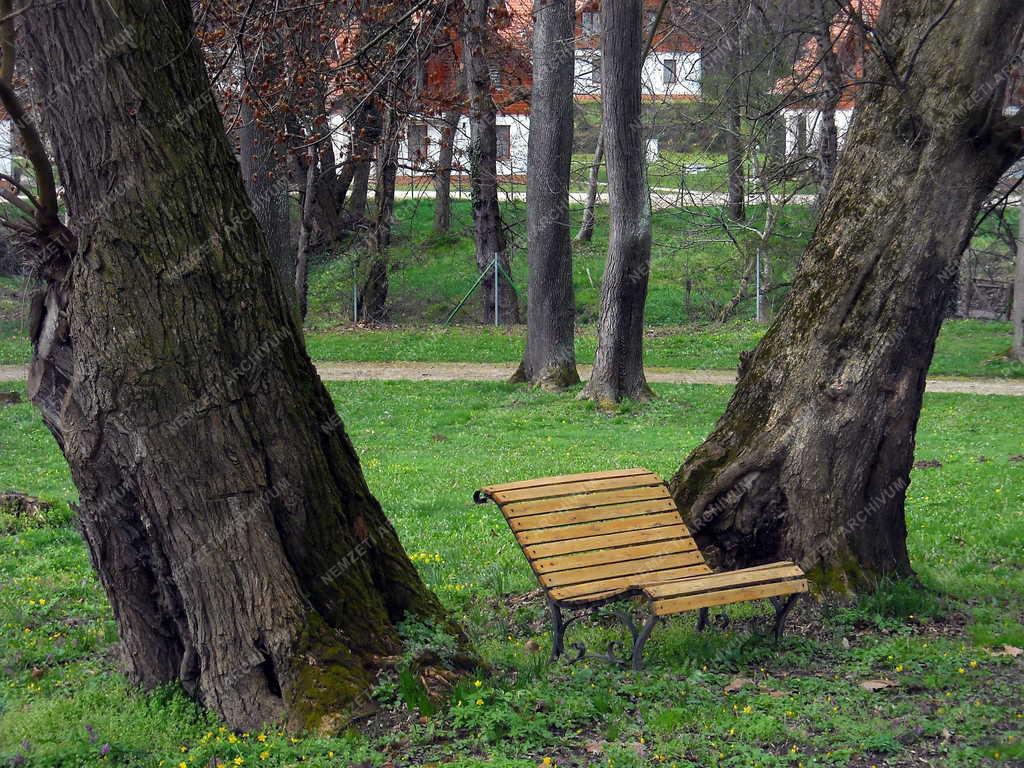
x: 595, y: 70
x: 504, y: 142
x: 668, y: 72
x: 591, y: 22
x: 419, y: 144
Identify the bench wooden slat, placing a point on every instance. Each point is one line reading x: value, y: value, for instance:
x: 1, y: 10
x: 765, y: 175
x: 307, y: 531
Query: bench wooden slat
x: 610, y: 540
x: 585, y: 530
x: 635, y: 580
x: 583, y: 500
x: 620, y: 554
x: 564, y: 479
x: 745, y: 577
x: 605, y: 571
x: 667, y: 607
x: 591, y: 514
x: 575, y: 487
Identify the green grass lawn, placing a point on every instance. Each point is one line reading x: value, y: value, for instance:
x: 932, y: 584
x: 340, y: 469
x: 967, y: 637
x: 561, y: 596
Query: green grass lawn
x: 424, y: 448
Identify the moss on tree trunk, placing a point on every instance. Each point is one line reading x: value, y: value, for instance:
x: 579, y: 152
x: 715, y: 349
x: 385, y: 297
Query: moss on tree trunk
x: 221, y: 500
x: 812, y: 459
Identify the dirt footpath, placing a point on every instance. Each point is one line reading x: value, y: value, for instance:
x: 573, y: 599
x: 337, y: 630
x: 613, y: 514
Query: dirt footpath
x: 401, y: 371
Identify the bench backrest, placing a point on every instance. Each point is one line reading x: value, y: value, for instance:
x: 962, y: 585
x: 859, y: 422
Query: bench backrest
x: 595, y: 535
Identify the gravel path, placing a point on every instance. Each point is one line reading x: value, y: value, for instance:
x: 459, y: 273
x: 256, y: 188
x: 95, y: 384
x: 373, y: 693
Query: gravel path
x: 352, y: 371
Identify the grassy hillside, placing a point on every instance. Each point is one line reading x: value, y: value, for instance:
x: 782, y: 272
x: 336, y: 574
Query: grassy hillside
x: 430, y: 273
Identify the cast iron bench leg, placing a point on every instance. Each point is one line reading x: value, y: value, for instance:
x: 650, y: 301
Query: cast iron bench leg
x: 781, y: 610
x: 558, y: 630
x: 638, y: 645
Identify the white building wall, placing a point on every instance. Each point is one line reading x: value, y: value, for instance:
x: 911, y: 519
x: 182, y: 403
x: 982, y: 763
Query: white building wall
x: 811, y: 119
x: 688, y: 73
x: 687, y: 69
x: 514, y: 164
x: 6, y: 147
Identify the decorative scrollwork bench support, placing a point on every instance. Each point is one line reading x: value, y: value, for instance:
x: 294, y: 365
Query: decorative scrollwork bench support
x: 639, y: 636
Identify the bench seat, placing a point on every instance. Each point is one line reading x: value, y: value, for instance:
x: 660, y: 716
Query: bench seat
x: 595, y: 537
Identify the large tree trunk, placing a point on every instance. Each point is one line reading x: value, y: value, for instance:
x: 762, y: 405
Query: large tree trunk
x: 264, y: 167
x: 221, y: 501
x: 488, y: 227
x: 550, y: 356
x: 587, y: 223
x: 1017, y: 315
x: 812, y: 458
x: 443, y: 174
x: 829, y: 92
x: 618, y: 364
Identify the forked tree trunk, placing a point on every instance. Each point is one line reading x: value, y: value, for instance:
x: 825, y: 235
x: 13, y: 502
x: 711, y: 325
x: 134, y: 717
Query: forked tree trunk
x: 830, y: 91
x: 443, y: 175
x: 483, y: 153
x: 550, y: 356
x: 221, y: 501
x: 587, y: 223
x: 812, y: 458
x: 1017, y: 314
x: 618, y: 364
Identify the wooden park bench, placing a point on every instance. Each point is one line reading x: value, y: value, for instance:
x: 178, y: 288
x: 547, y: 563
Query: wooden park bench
x: 599, y: 537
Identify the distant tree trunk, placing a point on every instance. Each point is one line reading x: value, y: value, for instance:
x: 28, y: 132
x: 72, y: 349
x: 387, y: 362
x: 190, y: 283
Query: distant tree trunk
x: 550, y: 356
x: 490, y: 237
x: 734, y: 145
x: 307, y: 217
x: 618, y: 364
x: 830, y: 91
x: 264, y: 167
x: 221, y: 501
x: 373, y: 295
x: 587, y: 224
x: 812, y: 458
x: 1018, y: 291
x: 443, y: 175
x: 326, y: 195
x: 365, y: 135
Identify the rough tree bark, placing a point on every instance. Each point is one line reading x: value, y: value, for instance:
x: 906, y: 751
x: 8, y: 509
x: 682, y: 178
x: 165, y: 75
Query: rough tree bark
x: 812, y: 458
x: 443, y: 175
x: 586, y: 231
x: 830, y: 87
x: 483, y: 152
x: 221, y: 501
x: 550, y: 356
x: 1017, y: 313
x: 618, y: 364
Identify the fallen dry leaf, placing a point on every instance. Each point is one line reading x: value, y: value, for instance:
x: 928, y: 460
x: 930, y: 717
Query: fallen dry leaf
x: 876, y: 685
x: 1008, y: 650
x: 737, y: 683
